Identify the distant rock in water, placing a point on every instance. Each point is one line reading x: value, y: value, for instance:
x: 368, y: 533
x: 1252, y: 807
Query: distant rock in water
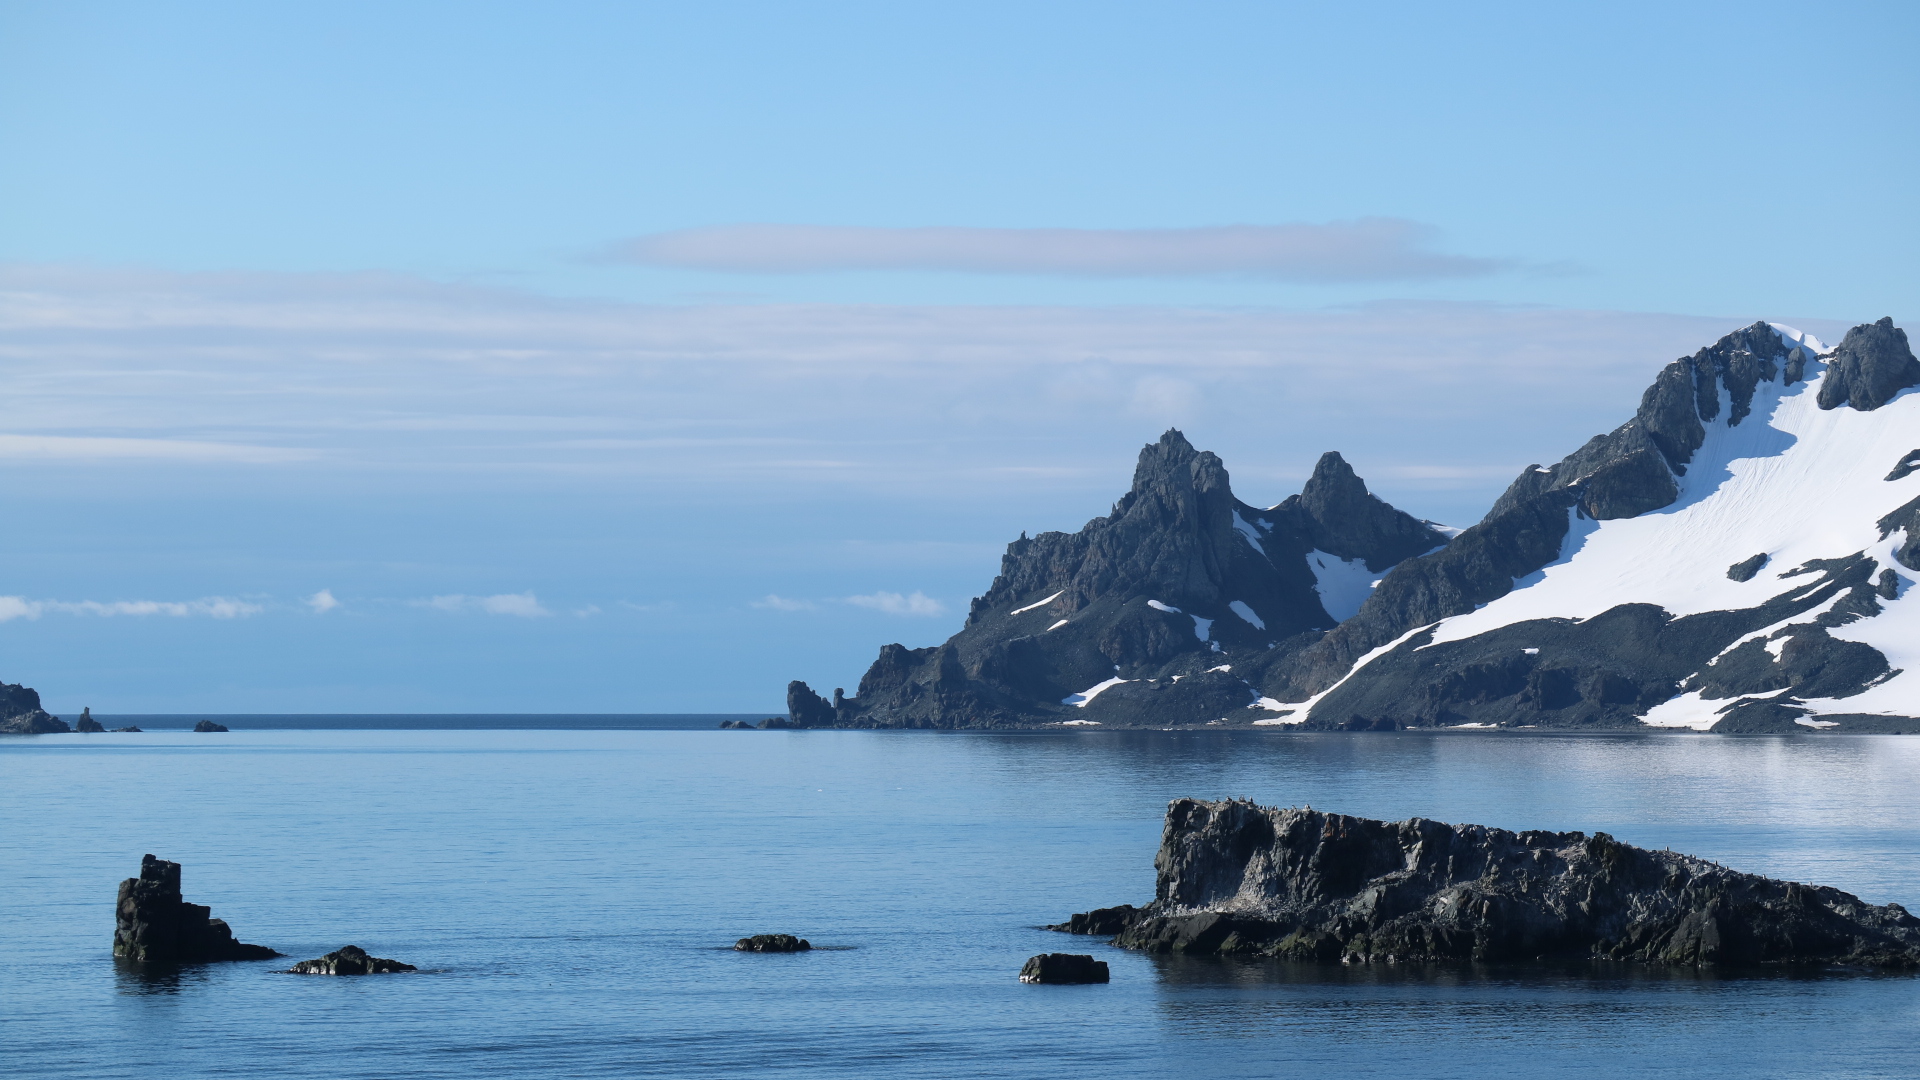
x: 21, y: 714
x: 153, y: 925
x: 1064, y: 968
x: 1237, y: 878
x: 772, y: 943
x: 208, y: 725
x: 736, y: 725
x: 87, y: 723
x: 351, y: 960
x: 133, y: 729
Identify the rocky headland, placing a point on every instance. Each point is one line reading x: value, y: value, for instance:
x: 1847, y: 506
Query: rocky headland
x: 21, y: 714
x: 1235, y: 878
x: 154, y: 925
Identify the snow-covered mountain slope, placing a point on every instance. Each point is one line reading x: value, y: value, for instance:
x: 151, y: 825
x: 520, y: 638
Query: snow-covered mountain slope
x: 1771, y: 588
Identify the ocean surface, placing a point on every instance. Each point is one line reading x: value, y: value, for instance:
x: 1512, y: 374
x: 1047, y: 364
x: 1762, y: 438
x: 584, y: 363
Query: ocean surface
x: 571, y: 896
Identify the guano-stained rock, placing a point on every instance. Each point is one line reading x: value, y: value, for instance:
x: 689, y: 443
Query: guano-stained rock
x: 1236, y: 878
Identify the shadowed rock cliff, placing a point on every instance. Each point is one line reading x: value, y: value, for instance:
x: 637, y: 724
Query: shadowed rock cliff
x: 153, y: 925
x: 1240, y: 879
x: 21, y: 714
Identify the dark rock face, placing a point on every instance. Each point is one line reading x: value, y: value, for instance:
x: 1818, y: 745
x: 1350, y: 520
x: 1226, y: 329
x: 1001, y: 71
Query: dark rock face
x: 736, y: 725
x: 772, y: 943
x: 87, y: 723
x: 1178, y: 580
x: 208, y: 725
x: 351, y: 960
x: 126, y: 729
x: 1871, y: 365
x: 1746, y: 568
x: 1905, y: 466
x: 1064, y: 968
x: 21, y: 714
x: 1236, y: 878
x: 1103, y: 921
x: 153, y: 925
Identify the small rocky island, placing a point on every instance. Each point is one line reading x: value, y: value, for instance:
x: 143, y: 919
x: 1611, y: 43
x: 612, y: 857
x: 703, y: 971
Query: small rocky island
x: 772, y: 943
x: 153, y: 925
x: 1064, y: 969
x: 350, y: 960
x: 1236, y: 878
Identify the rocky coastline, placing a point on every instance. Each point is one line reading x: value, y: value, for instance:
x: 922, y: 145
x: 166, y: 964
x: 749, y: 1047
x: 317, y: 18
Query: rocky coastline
x: 1239, y: 879
x: 153, y: 924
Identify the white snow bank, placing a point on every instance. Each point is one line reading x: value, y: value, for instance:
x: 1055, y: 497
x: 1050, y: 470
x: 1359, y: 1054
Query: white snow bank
x: 1270, y: 705
x: 1035, y: 604
x: 1343, y: 584
x: 1252, y: 534
x: 1056, y: 626
x: 1222, y: 667
x: 1276, y: 721
x: 1240, y: 608
x: 1079, y: 723
x: 1158, y: 606
x: 1080, y: 699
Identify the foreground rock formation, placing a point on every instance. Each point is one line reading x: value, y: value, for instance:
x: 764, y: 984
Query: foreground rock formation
x: 21, y: 714
x: 1064, y: 969
x: 351, y: 960
x: 772, y: 943
x: 1240, y: 879
x: 153, y: 925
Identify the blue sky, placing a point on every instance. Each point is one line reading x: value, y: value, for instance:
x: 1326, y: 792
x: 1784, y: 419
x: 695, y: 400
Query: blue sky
x: 620, y: 357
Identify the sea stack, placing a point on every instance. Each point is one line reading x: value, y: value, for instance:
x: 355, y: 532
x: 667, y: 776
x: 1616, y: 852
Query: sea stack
x: 154, y: 925
x: 1237, y: 878
x: 87, y: 723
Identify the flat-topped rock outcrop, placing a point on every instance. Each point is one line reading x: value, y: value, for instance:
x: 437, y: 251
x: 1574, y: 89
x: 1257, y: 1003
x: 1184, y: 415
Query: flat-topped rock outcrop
x: 153, y: 925
x: 1064, y: 969
x: 350, y: 960
x: 1236, y: 878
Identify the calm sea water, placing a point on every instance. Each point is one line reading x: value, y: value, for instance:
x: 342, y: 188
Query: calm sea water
x: 571, y: 895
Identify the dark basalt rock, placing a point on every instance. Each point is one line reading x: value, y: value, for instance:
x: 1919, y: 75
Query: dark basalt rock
x: 1064, y: 969
x: 350, y: 960
x: 737, y: 725
x: 1240, y: 879
x: 1103, y: 921
x: 153, y: 925
x: 21, y: 714
x: 1746, y: 568
x: 772, y: 943
x: 208, y: 725
x: 1871, y: 365
x: 1906, y: 517
x: 87, y: 723
x: 1905, y: 466
x: 135, y: 729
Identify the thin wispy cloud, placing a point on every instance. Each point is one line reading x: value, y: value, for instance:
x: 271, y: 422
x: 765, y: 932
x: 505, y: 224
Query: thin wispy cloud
x: 1369, y: 249
x: 892, y: 603
x: 775, y: 602
x: 214, y: 607
x: 85, y: 448
x: 525, y: 605
x: 322, y: 602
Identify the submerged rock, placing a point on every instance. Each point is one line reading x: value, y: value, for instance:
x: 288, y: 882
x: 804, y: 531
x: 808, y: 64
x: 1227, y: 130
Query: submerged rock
x: 1064, y: 968
x: 1237, y: 878
x: 350, y: 960
x: 87, y: 723
x: 208, y: 725
x: 772, y: 943
x: 153, y: 925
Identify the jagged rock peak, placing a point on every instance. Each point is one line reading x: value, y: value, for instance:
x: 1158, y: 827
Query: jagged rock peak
x: 1870, y: 365
x: 1339, y: 516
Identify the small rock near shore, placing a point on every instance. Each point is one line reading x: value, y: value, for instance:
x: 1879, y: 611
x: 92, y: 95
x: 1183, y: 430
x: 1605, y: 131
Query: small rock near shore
x: 772, y: 943
x: 735, y: 725
x: 208, y: 725
x: 87, y: 723
x: 1064, y: 968
x: 351, y: 960
x: 135, y: 729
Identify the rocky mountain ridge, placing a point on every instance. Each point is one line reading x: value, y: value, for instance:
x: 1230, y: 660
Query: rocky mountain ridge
x: 1732, y: 557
